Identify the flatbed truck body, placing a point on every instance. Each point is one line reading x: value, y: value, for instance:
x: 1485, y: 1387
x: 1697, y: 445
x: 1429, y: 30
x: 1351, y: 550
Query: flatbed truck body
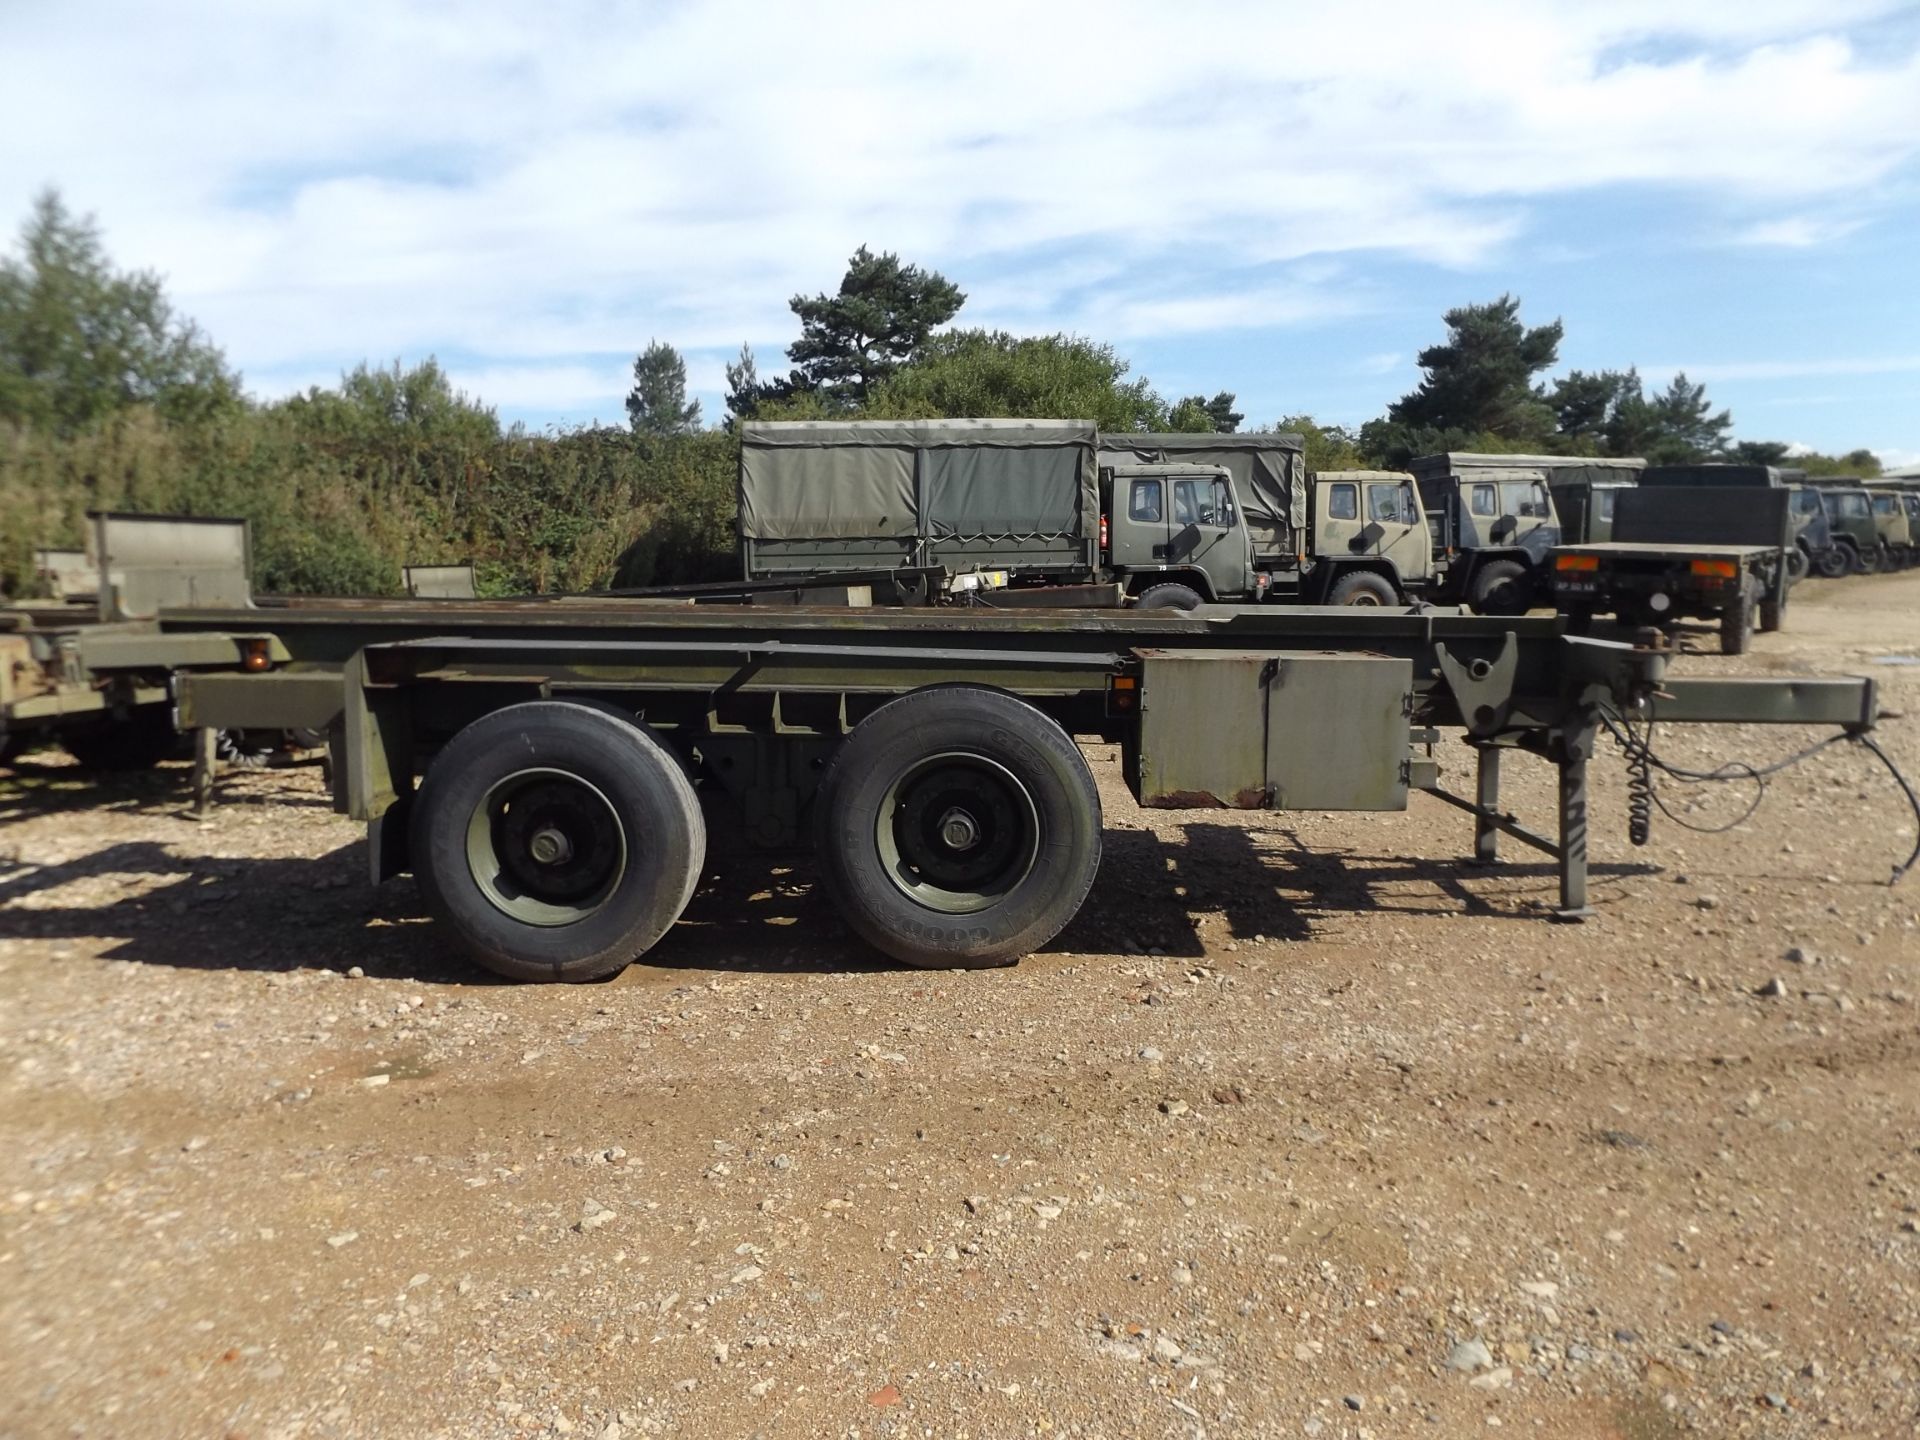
x: 549, y: 772
x: 1679, y: 553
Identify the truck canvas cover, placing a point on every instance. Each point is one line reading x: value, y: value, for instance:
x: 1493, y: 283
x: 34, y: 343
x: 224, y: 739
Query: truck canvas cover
x: 821, y: 495
x: 1269, y: 475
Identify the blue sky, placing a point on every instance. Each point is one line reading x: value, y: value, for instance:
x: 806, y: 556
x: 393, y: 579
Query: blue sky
x: 1277, y: 199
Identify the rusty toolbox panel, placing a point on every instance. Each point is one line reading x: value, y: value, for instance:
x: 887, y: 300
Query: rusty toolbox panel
x: 1283, y: 730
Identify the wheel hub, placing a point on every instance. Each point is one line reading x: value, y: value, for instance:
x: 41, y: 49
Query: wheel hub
x: 545, y: 847
x: 958, y: 832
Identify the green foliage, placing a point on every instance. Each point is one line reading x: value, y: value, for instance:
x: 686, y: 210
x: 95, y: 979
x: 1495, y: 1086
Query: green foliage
x: 987, y: 374
x: 1760, y: 452
x: 882, y: 315
x: 1328, y: 447
x: 80, y: 341
x: 658, y: 404
x: 1200, y: 415
x: 743, y: 388
x: 1862, y: 463
x: 1480, y: 379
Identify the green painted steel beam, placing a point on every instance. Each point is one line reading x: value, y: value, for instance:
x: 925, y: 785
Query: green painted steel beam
x: 1768, y: 700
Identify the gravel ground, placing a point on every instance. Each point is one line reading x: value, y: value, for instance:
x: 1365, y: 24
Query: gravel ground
x: 1303, y: 1128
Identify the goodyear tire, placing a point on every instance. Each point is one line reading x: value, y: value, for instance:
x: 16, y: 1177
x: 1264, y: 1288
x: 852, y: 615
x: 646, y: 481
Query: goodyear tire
x: 556, y: 841
x: 960, y: 828
x: 1169, y: 597
x: 1500, y: 588
x: 1363, y: 587
x: 1736, y: 625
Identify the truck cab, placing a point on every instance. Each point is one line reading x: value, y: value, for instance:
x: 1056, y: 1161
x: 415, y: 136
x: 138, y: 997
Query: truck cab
x: 1890, y: 522
x: 1850, y: 513
x: 1491, y: 522
x: 1174, y: 535
x: 1370, y: 539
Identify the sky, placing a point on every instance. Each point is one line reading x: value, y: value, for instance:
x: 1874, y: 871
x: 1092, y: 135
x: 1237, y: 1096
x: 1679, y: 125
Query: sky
x: 1278, y: 199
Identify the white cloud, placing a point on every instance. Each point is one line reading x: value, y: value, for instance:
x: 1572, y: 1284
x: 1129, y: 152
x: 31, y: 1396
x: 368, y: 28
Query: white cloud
x: 1797, y: 232
x: 530, y: 185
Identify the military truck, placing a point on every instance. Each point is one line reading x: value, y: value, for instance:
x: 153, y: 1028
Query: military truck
x: 1347, y: 537
x: 1890, y: 522
x: 1493, y: 523
x: 1003, y: 509
x: 1584, y: 493
x: 1855, y: 535
x: 1812, y: 533
x: 1684, y: 552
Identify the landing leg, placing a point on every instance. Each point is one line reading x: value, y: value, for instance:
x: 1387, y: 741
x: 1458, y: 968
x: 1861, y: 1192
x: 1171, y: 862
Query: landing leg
x: 206, y: 765
x: 1575, y: 746
x: 1486, y: 838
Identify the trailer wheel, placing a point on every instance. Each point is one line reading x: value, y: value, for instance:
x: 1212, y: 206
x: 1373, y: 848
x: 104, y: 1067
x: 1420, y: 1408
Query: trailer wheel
x: 557, y: 841
x: 1833, y: 562
x: 140, y: 742
x: 960, y: 828
x: 1736, y: 625
x: 1363, y: 587
x: 1500, y: 588
x: 1169, y: 597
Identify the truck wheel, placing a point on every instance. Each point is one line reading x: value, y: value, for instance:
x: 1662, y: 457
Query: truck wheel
x: 1363, y: 587
x: 1773, y: 615
x: 140, y: 742
x: 1169, y: 597
x: 1500, y: 588
x: 960, y: 828
x: 1833, y: 562
x: 557, y: 841
x: 1799, y: 563
x: 1736, y: 626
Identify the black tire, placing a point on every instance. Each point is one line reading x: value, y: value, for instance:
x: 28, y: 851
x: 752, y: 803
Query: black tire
x: 1499, y: 588
x: 1874, y: 561
x: 140, y: 742
x: 996, y: 769
x: 1363, y: 587
x: 615, y: 814
x: 1736, y: 626
x: 1169, y: 597
x: 1833, y: 562
x: 1799, y: 563
x: 1773, y: 615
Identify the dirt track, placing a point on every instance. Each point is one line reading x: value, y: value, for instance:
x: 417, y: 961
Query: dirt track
x: 1296, y: 1111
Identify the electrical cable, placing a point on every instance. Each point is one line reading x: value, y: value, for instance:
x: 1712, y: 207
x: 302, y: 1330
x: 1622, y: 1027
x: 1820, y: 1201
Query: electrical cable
x: 1642, y: 760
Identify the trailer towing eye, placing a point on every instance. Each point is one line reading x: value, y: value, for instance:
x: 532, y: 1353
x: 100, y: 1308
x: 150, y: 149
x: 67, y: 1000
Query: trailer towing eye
x: 1483, y: 689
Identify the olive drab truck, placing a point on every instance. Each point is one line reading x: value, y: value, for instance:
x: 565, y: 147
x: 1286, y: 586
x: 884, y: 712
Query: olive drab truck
x: 1813, y: 546
x: 1492, y: 523
x: 1856, y: 537
x: 1584, y: 493
x: 1890, y: 522
x: 1326, y: 538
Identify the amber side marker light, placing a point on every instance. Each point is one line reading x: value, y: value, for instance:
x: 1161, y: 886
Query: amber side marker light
x: 254, y: 655
x: 1723, y: 569
x: 1123, y: 691
x: 1576, y: 562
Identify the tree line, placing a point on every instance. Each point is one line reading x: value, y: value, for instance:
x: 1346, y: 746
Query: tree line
x: 109, y: 399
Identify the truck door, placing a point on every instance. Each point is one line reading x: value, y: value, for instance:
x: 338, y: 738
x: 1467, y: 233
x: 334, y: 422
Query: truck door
x: 1206, y: 534
x: 1140, y: 529
x: 1395, y: 530
x: 1526, y: 519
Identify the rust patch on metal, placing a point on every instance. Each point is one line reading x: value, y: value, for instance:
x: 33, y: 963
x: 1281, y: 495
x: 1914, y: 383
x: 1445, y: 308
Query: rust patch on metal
x: 1254, y: 797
